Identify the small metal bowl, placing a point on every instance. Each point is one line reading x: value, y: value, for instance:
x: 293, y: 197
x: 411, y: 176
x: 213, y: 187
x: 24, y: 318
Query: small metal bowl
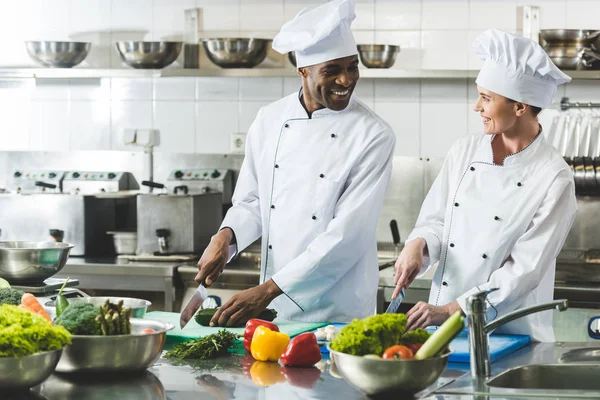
x: 236, y: 52
x: 148, y: 55
x: 378, y: 55
x: 116, y: 354
x: 138, y: 306
x: 377, y: 377
x: 57, y: 54
x: 29, y: 371
x: 32, y: 262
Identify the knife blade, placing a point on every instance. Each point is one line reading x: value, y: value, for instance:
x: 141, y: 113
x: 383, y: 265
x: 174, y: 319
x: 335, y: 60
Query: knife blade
x: 193, y: 305
x: 395, y: 304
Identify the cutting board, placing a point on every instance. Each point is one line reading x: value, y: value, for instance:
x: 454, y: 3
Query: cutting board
x: 193, y: 330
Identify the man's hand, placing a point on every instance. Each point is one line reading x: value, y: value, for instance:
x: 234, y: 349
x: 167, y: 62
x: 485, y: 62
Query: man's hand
x: 246, y: 305
x: 215, y: 257
x: 408, y: 264
x: 423, y: 314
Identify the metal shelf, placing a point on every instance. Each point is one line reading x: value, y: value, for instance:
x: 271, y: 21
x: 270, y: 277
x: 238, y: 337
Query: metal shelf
x: 85, y: 73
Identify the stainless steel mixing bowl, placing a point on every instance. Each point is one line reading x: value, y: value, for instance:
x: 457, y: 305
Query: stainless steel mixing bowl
x: 236, y: 52
x: 28, y: 371
x: 58, y: 54
x: 32, y: 262
x: 148, y: 55
x: 119, y: 353
x: 378, y: 55
x: 138, y: 306
x: 394, y: 377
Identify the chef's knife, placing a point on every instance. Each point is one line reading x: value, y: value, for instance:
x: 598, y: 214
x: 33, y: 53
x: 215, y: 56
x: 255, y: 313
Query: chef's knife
x: 395, y: 304
x: 193, y: 305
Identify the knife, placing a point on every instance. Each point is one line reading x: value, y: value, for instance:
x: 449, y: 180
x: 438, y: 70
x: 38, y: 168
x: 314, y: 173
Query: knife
x: 395, y: 304
x: 193, y: 305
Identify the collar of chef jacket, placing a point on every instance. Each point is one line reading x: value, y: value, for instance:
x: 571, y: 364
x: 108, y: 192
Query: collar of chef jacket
x: 532, y: 150
x: 324, y: 112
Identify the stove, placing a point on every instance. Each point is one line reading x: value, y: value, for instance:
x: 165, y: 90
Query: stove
x: 47, y: 291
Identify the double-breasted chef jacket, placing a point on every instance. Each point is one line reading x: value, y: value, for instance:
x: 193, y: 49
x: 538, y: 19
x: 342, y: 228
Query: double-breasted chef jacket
x: 492, y: 226
x: 313, y: 189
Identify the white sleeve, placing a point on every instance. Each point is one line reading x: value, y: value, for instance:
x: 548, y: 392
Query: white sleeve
x: 332, y: 253
x: 534, y: 252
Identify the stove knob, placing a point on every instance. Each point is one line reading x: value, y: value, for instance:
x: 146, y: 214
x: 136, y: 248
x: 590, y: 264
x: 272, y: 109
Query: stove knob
x: 17, y: 174
x: 215, y: 174
x: 178, y: 174
x: 206, y: 189
x: 76, y: 175
x: 52, y: 175
x: 111, y: 175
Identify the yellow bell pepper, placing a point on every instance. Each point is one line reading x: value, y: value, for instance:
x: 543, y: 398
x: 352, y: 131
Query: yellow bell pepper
x: 268, y: 345
x: 266, y: 373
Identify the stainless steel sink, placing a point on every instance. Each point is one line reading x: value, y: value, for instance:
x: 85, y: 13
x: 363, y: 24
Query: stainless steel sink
x: 550, y: 377
x: 585, y: 355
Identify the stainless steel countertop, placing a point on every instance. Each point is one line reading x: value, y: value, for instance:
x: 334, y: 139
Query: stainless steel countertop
x: 118, y: 266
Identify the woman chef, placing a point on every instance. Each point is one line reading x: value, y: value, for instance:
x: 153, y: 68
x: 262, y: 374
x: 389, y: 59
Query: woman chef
x: 499, y: 211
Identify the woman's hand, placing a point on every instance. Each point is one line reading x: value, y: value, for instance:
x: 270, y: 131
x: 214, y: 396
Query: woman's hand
x: 408, y: 264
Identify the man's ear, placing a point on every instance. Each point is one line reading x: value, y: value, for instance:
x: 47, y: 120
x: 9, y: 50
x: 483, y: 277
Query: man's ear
x: 303, y: 72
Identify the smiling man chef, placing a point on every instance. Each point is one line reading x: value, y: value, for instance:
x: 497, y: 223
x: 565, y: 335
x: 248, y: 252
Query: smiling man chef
x: 317, y: 166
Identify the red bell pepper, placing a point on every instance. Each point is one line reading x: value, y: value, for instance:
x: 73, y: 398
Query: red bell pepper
x: 251, y: 326
x: 302, y: 351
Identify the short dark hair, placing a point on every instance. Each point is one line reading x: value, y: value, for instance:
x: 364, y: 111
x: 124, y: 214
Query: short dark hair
x: 535, y: 110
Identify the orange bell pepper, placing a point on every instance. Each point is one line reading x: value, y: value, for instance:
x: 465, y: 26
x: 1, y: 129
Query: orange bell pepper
x: 268, y: 345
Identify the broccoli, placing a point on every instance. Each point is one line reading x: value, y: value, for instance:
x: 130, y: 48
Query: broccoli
x: 371, y: 335
x: 419, y: 335
x: 79, y: 318
x: 10, y: 296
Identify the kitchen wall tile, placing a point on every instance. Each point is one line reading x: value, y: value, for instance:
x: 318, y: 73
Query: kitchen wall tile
x: 553, y: 13
x: 440, y: 14
x: 263, y: 89
x: 409, y: 56
x: 369, y: 103
x: 50, y: 125
x: 291, y: 85
x: 397, y: 90
x: 131, y: 88
x: 15, y: 124
x: 582, y: 14
x: 261, y: 15
x: 101, y: 49
x: 292, y: 7
x: 475, y: 63
x: 217, y: 88
x: 365, y: 90
x: 364, y: 37
x: 248, y: 112
x: 168, y: 15
x: 444, y: 90
x: 474, y: 124
x: 176, y: 121
x: 444, y: 50
x: 393, y: 14
x: 220, y: 15
x: 13, y: 52
x: 51, y: 89
x: 90, y: 89
x: 131, y: 15
x: 583, y: 91
x: 54, y: 24
x: 472, y: 93
x: 404, y: 118
x: 90, y: 125
x: 17, y: 89
x: 442, y: 124
x: 365, y: 15
x: 174, y: 89
x: 89, y: 16
x: 215, y: 122
x: 28, y: 19
x: 128, y: 115
x: 484, y: 14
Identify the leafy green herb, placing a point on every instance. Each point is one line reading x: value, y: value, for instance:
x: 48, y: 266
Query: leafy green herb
x: 204, y: 348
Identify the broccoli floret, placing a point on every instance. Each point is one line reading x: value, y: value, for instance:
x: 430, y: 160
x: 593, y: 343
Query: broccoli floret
x: 10, y: 296
x: 371, y: 335
x: 419, y: 335
x: 79, y: 318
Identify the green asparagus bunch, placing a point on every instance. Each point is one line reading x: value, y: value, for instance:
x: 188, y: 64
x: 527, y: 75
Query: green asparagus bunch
x: 114, y: 318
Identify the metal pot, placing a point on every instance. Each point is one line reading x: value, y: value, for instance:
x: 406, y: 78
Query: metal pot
x: 572, y: 57
x: 571, y: 37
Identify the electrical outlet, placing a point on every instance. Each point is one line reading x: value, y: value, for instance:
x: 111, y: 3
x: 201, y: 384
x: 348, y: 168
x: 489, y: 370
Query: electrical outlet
x: 237, y: 143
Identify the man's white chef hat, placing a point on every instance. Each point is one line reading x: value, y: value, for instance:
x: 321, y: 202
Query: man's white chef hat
x: 320, y: 34
x: 517, y: 68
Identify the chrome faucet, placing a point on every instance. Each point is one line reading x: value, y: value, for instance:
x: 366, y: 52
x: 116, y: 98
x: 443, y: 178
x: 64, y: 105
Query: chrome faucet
x: 479, y: 329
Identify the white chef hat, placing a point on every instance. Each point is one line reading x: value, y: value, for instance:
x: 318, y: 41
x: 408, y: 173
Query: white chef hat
x: 320, y: 34
x: 517, y: 68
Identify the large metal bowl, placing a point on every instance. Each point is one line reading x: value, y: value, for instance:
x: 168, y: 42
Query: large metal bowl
x: 57, y: 54
x: 377, y: 377
x: 119, y: 353
x: 28, y: 371
x: 138, y: 306
x: 148, y: 55
x: 378, y: 55
x: 32, y: 262
x: 236, y: 52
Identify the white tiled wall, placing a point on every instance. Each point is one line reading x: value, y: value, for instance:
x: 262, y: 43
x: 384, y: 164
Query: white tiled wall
x: 199, y: 114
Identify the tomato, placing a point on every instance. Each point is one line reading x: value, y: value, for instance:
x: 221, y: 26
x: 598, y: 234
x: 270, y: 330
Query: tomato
x: 397, y: 352
x: 149, y: 330
x: 414, y: 347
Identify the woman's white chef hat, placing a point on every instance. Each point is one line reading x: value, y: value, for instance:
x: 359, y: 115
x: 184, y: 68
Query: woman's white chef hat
x: 320, y: 34
x: 517, y: 68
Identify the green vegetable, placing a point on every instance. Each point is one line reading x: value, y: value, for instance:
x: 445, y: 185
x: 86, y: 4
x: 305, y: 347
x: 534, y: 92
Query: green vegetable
x: 371, y: 335
x: 442, y: 336
x: 206, y: 347
x: 23, y: 333
x: 419, y: 335
x: 10, y: 296
x: 115, y: 319
x: 61, y: 302
x: 79, y: 318
x: 204, y: 316
x: 4, y: 283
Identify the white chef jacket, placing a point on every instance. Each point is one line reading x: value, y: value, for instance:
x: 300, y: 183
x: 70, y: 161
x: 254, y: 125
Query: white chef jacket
x: 313, y: 189
x: 498, y: 226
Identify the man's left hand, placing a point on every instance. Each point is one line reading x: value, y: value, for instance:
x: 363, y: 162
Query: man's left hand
x: 423, y: 314
x: 246, y: 305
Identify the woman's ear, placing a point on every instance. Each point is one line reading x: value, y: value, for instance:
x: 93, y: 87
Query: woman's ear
x: 521, y: 109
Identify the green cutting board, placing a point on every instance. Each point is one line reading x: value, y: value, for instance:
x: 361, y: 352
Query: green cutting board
x: 193, y: 330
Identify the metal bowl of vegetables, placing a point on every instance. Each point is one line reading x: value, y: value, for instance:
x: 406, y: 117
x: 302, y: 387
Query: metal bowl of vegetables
x: 32, y: 262
x: 137, y: 306
x: 133, y: 352
x: 28, y: 371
